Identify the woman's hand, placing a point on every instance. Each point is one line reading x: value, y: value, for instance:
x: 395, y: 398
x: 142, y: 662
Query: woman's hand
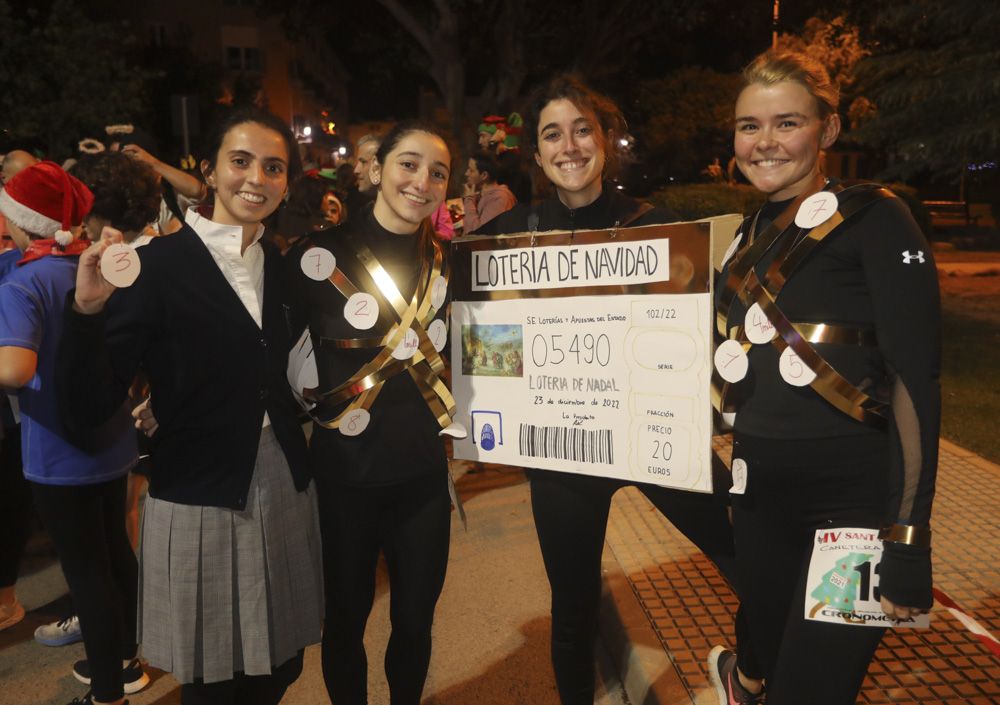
x: 468, y: 189
x: 137, y: 152
x: 144, y: 419
x: 92, y: 289
x: 895, y: 611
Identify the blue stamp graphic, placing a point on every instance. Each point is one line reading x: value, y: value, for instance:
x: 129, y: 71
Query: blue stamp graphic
x: 488, y: 436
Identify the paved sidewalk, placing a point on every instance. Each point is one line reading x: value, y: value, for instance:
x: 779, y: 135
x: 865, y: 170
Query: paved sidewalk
x: 687, y: 607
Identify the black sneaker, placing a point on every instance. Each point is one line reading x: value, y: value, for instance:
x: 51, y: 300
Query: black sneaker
x: 722, y: 672
x: 87, y: 699
x: 134, y: 678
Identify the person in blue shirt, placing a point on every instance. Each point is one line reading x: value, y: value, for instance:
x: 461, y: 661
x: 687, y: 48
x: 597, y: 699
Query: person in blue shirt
x: 79, y: 490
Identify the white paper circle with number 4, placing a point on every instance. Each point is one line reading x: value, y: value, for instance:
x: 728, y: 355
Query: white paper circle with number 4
x: 407, y: 347
x: 816, y: 209
x: 793, y: 370
x: 120, y: 265
x: 759, y: 330
x: 361, y: 310
x: 439, y: 291
x: 731, y: 361
x: 354, y: 422
x: 318, y: 263
x: 438, y: 333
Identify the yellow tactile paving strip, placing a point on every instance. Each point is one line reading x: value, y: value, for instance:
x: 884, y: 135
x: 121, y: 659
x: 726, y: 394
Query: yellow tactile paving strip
x: 690, y: 606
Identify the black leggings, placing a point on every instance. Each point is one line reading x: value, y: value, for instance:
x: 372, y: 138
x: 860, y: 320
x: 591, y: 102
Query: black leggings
x: 793, y: 488
x: 244, y: 689
x: 571, y: 518
x: 15, y: 507
x: 411, y: 524
x: 87, y: 526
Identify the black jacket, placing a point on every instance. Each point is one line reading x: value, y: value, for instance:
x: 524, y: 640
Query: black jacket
x: 212, y: 372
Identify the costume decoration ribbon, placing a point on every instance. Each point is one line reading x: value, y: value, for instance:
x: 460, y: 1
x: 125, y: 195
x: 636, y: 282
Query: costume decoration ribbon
x: 51, y: 247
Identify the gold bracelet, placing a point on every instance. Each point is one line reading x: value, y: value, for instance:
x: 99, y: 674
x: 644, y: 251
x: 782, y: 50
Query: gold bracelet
x: 910, y: 535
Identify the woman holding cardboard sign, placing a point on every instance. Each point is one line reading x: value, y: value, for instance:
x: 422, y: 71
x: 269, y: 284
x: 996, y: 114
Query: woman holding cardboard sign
x: 829, y: 306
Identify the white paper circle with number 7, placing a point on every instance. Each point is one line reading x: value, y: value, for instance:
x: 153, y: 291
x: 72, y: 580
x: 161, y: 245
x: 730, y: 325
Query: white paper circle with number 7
x: 361, y: 310
x: 354, y: 422
x: 759, y: 330
x: 731, y: 361
x: 318, y: 263
x: 793, y: 370
x: 407, y: 347
x: 816, y: 209
x: 120, y: 265
x: 439, y: 291
x: 438, y: 333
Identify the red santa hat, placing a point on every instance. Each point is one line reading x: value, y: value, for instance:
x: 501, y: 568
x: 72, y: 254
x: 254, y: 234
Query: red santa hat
x: 44, y: 200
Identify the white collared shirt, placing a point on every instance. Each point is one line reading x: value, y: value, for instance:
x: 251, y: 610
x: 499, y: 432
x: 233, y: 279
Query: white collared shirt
x: 244, y: 271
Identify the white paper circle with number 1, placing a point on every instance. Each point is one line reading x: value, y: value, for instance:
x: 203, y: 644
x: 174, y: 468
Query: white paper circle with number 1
x: 439, y: 291
x: 793, y: 370
x: 355, y: 422
x: 438, y: 333
x: 759, y: 330
x: 407, y: 347
x: 120, y: 265
x: 816, y: 209
x: 318, y: 263
x: 361, y: 310
x: 731, y: 361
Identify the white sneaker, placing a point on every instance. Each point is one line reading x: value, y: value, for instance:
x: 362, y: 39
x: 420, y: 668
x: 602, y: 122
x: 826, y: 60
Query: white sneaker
x: 65, y: 631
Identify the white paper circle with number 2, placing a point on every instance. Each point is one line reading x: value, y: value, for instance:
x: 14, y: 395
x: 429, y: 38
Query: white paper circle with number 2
x: 758, y: 329
x: 361, y: 310
x: 407, y: 347
x: 120, y: 265
x: 438, y: 333
x: 318, y: 263
x: 793, y: 370
x: 816, y: 209
x: 354, y: 422
x: 731, y: 361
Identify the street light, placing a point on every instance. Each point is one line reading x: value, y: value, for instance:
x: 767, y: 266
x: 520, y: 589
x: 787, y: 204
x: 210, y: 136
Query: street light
x: 306, y: 131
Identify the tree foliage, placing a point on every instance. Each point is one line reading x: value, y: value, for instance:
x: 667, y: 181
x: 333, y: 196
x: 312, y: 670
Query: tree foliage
x: 64, y: 76
x: 934, y: 77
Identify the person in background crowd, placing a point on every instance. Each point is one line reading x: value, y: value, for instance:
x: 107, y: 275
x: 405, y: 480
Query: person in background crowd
x: 853, y: 443
x: 230, y: 562
x: 484, y: 199
x: 80, y: 494
x: 15, y: 161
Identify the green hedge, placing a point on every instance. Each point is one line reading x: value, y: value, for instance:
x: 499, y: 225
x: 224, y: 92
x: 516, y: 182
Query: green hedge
x: 694, y: 201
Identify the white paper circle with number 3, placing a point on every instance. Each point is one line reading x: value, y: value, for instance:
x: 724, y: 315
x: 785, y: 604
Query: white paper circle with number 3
x: 731, y: 361
x: 439, y: 291
x: 318, y: 263
x: 120, y: 265
x: 793, y: 370
x: 361, y: 310
x: 354, y: 422
x: 438, y: 333
x: 759, y: 330
x: 407, y: 347
x: 816, y: 209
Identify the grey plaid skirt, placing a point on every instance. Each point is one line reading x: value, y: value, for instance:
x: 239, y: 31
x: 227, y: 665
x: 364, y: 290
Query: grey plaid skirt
x: 223, y: 591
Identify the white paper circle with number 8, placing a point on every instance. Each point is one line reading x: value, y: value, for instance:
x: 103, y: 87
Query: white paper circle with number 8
x: 439, y: 291
x: 318, y: 263
x: 361, y: 310
x: 355, y: 422
x: 120, y: 265
x: 731, y: 361
x: 793, y: 370
x: 407, y: 347
x: 438, y: 333
x: 759, y: 330
x: 816, y: 209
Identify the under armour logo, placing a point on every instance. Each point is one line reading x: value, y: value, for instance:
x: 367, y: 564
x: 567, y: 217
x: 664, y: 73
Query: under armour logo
x: 919, y: 257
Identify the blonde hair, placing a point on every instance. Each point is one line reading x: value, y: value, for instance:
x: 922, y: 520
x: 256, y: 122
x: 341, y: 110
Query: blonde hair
x: 775, y: 66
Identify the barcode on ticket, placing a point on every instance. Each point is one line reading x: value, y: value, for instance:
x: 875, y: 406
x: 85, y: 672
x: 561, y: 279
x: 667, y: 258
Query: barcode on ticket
x: 561, y: 443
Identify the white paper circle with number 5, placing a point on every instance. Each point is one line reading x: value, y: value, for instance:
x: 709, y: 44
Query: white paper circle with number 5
x: 318, y: 263
x: 793, y: 370
x: 816, y: 209
x: 731, y: 361
x: 438, y: 333
x: 355, y: 422
x: 759, y: 330
x: 361, y: 310
x: 439, y: 291
x: 120, y: 265
x: 407, y: 347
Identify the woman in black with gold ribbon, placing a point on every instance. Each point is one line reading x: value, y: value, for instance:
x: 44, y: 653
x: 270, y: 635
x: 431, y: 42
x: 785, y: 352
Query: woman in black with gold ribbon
x: 828, y: 304
x: 373, y: 295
